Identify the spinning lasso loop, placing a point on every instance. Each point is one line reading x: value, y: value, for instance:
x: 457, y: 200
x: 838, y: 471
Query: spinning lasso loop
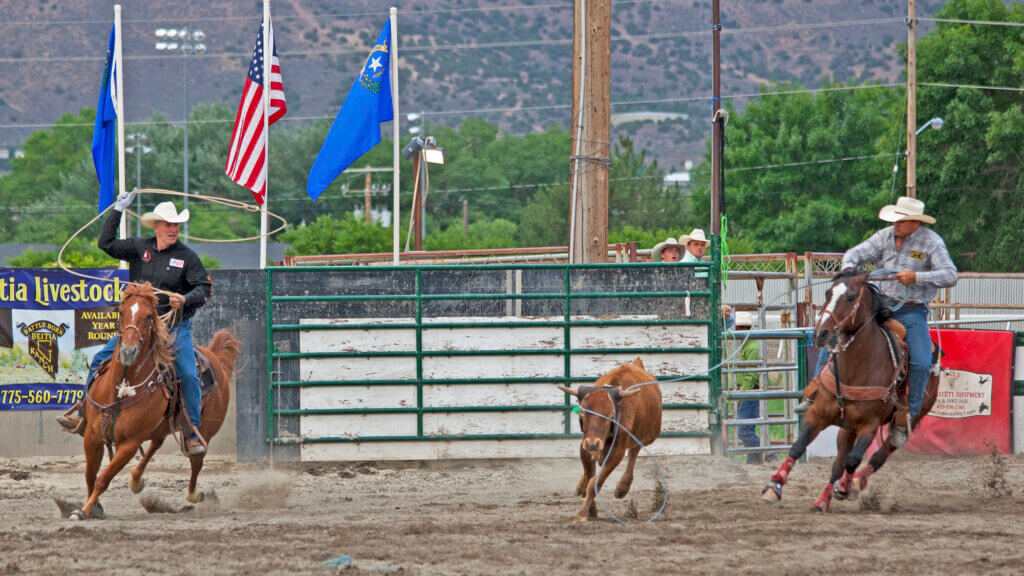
x: 245, y: 206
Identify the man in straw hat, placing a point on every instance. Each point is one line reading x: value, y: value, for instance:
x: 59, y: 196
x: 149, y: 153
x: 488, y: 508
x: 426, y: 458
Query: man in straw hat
x: 924, y: 266
x: 696, y: 244
x: 667, y: 251
x: 172, y: 267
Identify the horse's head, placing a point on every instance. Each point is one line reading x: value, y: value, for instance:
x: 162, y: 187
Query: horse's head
x: 844, y: 311
x: 138, y: 322
x: 604, y: 399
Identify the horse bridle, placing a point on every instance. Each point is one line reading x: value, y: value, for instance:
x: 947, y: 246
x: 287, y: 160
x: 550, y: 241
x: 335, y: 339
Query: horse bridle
x: 841, y: 327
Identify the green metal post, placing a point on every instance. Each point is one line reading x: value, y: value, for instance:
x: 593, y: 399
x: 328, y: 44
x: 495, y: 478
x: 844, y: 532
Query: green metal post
x: 270, y: 355
x: 715, y: 344
x: 566, y: 345
x: 801, y: 377
x: 419, y: 353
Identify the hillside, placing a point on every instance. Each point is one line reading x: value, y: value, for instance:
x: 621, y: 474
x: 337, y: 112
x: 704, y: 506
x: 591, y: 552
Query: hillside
x: 521, y: 59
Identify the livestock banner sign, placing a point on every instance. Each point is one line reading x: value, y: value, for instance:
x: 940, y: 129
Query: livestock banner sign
x: 971, y: 414
x: 51, y: 323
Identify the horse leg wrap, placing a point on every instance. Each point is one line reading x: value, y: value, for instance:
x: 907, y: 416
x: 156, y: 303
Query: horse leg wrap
x: 842, y: 486
x: 860, y: 479
x: 782, y: 474
x: 824, y: 501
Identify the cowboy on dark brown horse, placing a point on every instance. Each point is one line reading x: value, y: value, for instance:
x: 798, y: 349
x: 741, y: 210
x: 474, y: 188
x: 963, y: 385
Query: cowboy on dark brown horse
x: 183, y: 286
x: 923, y: 264
x: 862, y: 388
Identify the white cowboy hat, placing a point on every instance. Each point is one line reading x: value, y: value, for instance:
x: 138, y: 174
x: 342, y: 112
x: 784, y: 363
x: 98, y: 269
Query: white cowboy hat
x: 166, y: 212
x: 744, y: 319
x: 695, y: 235
x: 906, y: 208
x: 660, y: 246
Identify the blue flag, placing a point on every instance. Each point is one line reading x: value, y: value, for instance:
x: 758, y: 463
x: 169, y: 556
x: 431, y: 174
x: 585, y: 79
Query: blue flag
x: 103, y: 134
x: 356, y: 128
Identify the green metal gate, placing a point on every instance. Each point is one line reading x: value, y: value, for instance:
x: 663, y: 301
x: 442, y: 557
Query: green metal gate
x: 296, y: 294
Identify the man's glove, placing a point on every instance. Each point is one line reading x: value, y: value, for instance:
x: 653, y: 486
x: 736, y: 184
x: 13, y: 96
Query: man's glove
x: 124, y: 200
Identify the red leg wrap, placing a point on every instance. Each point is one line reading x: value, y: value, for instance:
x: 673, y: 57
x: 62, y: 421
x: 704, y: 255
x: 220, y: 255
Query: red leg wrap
x: 782, y: 474
x: 863, y: 474
x: 825, y: 500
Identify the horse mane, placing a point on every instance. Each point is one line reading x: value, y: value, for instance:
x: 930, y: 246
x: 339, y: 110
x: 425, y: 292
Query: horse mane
x: 163, y: 351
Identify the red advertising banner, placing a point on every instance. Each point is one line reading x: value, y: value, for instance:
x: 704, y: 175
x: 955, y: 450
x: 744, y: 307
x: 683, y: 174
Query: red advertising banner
x: 972, y: 412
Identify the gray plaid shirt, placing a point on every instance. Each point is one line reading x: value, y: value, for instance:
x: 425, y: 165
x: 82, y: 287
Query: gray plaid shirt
x: 923, y: 252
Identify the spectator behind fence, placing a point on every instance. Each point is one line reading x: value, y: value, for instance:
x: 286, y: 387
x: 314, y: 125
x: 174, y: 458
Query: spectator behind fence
x: 748, y: 409
x: 667, y: 251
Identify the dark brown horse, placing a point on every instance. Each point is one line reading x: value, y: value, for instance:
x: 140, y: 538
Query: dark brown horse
x: 128, y: 403
x: 863, y: 388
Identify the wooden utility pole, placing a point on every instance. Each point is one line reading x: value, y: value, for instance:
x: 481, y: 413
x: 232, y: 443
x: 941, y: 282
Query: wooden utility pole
x: 591, y: 131
x: 366, y: 195
x: 718, y: 124
x: 912, y: 98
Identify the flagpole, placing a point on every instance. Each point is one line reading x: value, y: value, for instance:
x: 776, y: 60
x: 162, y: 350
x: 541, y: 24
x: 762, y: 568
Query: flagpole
x: 268, y: 56
x: 394, y: 124
x: 119, y: 110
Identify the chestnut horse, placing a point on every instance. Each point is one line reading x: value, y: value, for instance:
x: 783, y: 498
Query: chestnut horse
x: 870, y: 377
x: 127, y: 404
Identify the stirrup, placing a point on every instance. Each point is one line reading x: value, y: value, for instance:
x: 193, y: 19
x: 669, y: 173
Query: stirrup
x: 199, y: 445
x: 898, y: 435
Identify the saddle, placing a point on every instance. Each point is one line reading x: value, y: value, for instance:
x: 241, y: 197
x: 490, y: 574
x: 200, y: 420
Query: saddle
x: 168, y: 383
x: 894, y: 393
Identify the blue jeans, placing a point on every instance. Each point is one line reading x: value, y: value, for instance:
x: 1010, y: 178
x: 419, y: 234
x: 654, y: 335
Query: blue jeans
x: 184, y: 364
x: 822, y: 358
x: 747, y: 434
x: 919, y: 341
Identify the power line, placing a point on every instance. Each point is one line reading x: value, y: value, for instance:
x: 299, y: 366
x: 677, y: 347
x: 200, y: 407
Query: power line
x: 977, y: 22
x: 488, y: 45
x: 973, y: 86
x: 811, y: 162
x: 321, y: 15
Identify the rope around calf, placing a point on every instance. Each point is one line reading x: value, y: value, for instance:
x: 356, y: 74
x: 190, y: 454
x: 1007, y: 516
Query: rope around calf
x: 245, y: 206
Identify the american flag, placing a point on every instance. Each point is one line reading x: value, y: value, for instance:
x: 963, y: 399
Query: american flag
x: 247, y: 157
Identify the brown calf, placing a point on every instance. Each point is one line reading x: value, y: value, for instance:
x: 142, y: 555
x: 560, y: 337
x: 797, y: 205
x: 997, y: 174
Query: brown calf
x: 637, y: 410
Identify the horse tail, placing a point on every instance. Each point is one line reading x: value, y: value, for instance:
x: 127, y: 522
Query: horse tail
x: 225, y: 347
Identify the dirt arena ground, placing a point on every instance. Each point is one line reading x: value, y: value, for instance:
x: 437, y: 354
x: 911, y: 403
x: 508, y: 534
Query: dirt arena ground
x: 921, y: 515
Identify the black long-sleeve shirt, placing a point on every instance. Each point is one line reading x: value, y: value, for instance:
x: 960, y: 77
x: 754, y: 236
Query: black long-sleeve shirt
x: 176, y: 268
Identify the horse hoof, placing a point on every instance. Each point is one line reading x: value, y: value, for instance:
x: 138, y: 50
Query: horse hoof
x: 772, y: 492
x: 856, y: 487
x: 137, y: 485
x: 196, y: 497
x: 76, y: 516
x: 579, y: 519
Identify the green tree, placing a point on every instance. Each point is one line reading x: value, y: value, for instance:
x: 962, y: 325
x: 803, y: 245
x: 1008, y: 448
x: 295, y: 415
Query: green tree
x: 970, y: 172
x: 348, y: 235
x: 785, y: 190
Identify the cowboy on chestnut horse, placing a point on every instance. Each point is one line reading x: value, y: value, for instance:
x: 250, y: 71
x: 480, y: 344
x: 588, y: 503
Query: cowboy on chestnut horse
x: 924, y: 266
x: 173, y: 268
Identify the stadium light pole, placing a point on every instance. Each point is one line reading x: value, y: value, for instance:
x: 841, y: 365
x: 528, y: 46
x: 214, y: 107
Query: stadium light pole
x: 137, y: 147
x: 185, y: 42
